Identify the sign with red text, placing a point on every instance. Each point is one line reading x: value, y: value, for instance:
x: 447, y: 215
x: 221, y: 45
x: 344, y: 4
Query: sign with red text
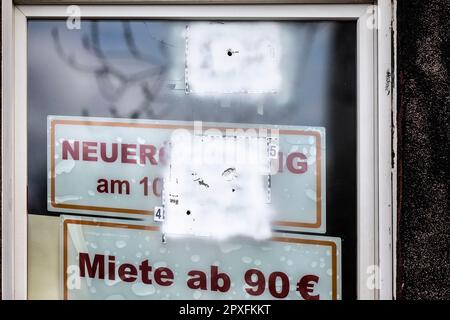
x: 106, y: 259
x: 115, y: 167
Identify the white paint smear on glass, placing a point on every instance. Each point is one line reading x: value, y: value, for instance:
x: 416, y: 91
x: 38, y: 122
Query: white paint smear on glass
x: 217, y: 187
x: 233, y: 57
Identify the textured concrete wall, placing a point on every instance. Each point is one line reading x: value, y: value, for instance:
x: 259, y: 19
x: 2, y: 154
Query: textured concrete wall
x: 1, y: 34
x: 423, y: 175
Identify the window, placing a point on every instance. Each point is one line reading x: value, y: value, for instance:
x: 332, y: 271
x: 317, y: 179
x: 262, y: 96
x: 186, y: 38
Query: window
x: 103, y: 185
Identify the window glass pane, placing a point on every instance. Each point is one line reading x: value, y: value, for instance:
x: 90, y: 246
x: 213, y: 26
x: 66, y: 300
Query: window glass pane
x: 295, y: 76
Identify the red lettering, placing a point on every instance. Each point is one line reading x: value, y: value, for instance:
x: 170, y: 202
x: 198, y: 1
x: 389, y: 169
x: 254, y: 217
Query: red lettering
x: 112, y: 268
x: 157, y: 191
x: 284, y: 285
x: 128, y: 150
x: 162, y: 155
x: 87, y: 150
x: 120, y: 184
x: 127, y: 272
x: 280, y: 161
x: 92, y: 268
x: 297, y: 167
x: 164, y: 276
x: 216, y: 276
x: 130, y: 273
x: 147, y: 152
x: 145, y: 268
x: 306, y: 286
x: 67, y: 148
x: 103, y: 154
x: 198, y: 280
x: 258, y: 284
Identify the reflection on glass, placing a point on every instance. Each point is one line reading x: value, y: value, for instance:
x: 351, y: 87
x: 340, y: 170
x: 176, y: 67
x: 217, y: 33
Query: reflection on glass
x: 291, y: 73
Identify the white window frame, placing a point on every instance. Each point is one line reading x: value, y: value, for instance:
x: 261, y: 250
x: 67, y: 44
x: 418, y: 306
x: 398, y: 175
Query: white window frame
x: 375, y: 107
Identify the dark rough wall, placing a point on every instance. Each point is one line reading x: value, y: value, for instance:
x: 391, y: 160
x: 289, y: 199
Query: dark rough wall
x: 423, y: 174
x: 1, y: 55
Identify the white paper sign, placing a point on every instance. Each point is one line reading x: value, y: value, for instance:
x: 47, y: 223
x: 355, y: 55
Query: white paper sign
x: 218, y: 187
x: 233, y: 57
x: 115, y: 167
x: 105, y: 259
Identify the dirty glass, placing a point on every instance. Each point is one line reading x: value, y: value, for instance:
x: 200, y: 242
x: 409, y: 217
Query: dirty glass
x: 107, y: 97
